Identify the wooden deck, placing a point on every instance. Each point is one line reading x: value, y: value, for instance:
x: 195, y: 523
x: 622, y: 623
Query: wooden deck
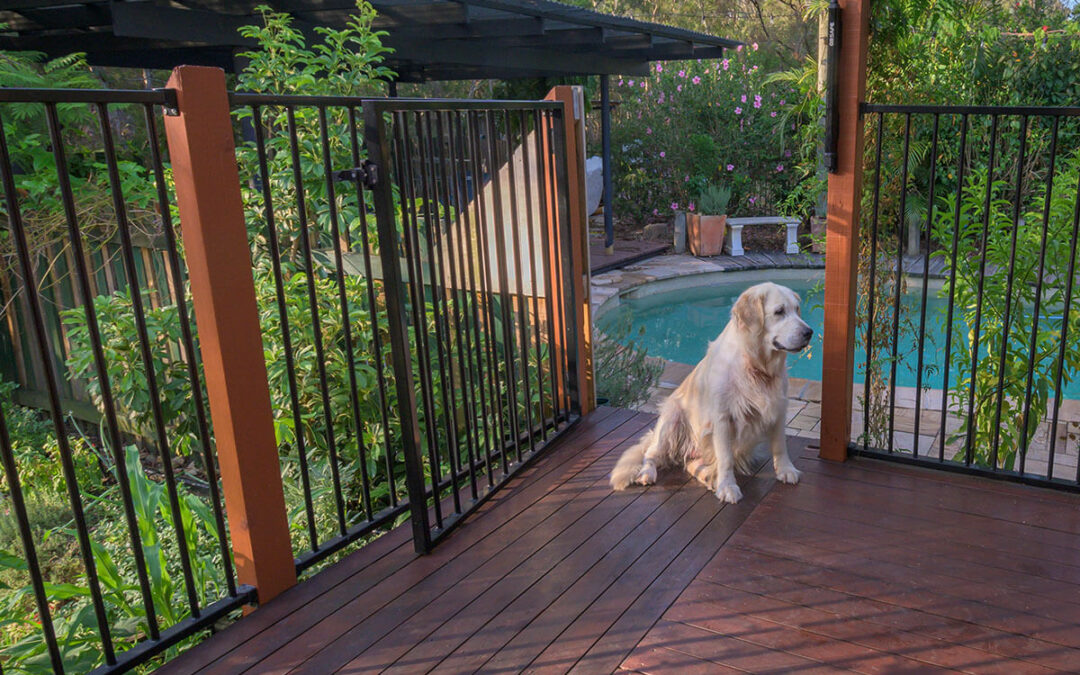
x: 865, y: 567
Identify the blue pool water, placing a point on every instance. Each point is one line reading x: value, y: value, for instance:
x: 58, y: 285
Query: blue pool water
x: 678, y: 325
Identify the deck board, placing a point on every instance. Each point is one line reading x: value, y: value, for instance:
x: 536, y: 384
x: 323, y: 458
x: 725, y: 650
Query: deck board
x: 864, y: 567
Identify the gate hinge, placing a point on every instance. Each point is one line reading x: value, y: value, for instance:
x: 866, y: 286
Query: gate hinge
x: 367, y: 174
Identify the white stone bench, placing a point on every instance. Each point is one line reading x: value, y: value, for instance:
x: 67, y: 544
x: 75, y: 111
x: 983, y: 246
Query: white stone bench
x: 734, y: 241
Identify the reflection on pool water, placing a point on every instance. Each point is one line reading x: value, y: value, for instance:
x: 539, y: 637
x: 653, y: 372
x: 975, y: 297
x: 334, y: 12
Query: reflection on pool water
x: 678, y: 325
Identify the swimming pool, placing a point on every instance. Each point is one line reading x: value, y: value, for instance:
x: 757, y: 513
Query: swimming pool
x: 677, y: 318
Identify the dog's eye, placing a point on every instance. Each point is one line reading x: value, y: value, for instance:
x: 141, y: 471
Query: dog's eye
x: 779, y: 311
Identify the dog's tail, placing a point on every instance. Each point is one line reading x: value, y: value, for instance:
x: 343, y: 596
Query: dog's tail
x: 629, y: 465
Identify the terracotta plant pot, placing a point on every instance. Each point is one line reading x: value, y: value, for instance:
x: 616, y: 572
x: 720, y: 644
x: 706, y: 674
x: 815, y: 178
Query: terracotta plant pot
x: 705, y: 234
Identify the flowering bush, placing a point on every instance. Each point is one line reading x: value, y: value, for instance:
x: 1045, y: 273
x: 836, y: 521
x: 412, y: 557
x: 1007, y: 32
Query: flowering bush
x: 695, y: 123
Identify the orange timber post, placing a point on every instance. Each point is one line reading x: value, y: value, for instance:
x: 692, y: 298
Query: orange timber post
x: 578, y: 231
x: 842, y: 235
x: 223, y: 294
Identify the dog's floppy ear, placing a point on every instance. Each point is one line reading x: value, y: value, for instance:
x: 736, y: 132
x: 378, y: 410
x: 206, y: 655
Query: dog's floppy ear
x: 749, y: 310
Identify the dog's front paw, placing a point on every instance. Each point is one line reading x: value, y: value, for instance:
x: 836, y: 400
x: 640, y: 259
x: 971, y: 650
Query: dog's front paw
x: 788, y: 474
x: 647, y: 475
x: 729, y: 493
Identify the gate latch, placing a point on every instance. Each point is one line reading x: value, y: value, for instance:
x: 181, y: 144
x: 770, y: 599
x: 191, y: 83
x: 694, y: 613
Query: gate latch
x: 367, y: 174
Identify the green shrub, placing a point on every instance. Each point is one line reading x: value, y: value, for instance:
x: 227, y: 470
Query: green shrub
x: 714, y: 200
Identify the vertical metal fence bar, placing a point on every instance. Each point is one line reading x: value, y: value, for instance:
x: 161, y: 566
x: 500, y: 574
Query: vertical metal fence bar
x: 570, y: 322
x: 283, y: 319
x: 452, y: 218
x: 316, y: 324
x: 108, y: 404
x: 925, y: 284
x: 11, y: 473
x: 1069, y: 279
x: 872, y: 280
x: 533, y: 275
x: 522, y: 309
x: 188, y: 343
x: 547, y: 213
x: 505, y: 295
x: 67, y: 465
x: 971, y: 421
x: 346, y: 316
x: 128, y: 257
x: 560, y: 270
x: 898, y: 279
x: 1033, y: 344
x: 1006, y: 322
x: 487, y: 283
x: 410, y: 237
x: 373, y: 313
x: 483, y: 269
x: 432, y: 221
x: 379, y: 150
x: 483, y: 375
x: 952, y: 285
x: 458, y: 281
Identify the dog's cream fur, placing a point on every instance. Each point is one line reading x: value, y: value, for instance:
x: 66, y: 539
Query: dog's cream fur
x: 733, y: 400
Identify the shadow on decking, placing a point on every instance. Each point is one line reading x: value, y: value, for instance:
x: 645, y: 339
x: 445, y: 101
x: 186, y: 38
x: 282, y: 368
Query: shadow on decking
x: 864, y: 566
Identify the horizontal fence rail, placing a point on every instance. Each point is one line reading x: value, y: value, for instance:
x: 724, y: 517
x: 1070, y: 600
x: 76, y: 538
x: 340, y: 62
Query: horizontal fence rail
x: 967, y: 318
x: 139, y: 499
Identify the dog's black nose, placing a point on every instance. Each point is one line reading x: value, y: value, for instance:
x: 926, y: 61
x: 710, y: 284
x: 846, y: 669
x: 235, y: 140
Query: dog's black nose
x: 807, y: 332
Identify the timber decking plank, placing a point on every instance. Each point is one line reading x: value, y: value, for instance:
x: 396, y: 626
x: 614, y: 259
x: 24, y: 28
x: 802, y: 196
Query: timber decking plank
x: 359, y: 620
x: 451, y: 617
x: 496, y: 615
x: 637, y: 611
x: 372, y: 563
x: 866, y: 566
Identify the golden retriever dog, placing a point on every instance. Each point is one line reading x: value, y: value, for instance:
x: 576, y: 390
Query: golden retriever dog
x: 735, y: 399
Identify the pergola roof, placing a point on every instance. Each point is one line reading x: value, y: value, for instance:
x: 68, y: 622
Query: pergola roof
x: 432, y: 39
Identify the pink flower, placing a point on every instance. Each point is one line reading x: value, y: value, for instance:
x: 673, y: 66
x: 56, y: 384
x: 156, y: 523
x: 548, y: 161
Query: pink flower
x: 642, y: 84
x: 663, y: 154
x: 739, y: 48
x: 781, y: 101
x: 674, y: 206
x: 772, y: 114
x: 730, y: 167
x: 738, y: 110
x: 620, y: 82
x: 752, y: 200
x: 696, y: 80
x: 779, y: 168
x: 648, y: 130
x: 726, y: 64
x: 787, y: 153
x: 757, y: 100
x: 682, y: 73
x: 690, y: 207
x: 678, y: 88
x: 631, y: 83
x: 659, y: 68
x: 754, y: 46
x: 661, y: 98
x: 656, y: 212
x: 686, y: 179
x: 742, y: 99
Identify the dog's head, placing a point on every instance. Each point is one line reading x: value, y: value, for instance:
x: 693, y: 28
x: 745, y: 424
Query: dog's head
x: 772, y: 312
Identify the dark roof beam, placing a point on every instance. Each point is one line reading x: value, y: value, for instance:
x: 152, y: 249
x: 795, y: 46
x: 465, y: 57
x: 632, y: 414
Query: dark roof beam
x: 494, y: 56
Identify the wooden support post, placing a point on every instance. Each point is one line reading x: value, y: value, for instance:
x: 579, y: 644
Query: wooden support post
x: 578, y: 231
x: 842, y: 236
x: 223, y: 294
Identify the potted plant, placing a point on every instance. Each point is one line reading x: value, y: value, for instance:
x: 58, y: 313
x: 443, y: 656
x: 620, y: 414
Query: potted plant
x: 705, y: 229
